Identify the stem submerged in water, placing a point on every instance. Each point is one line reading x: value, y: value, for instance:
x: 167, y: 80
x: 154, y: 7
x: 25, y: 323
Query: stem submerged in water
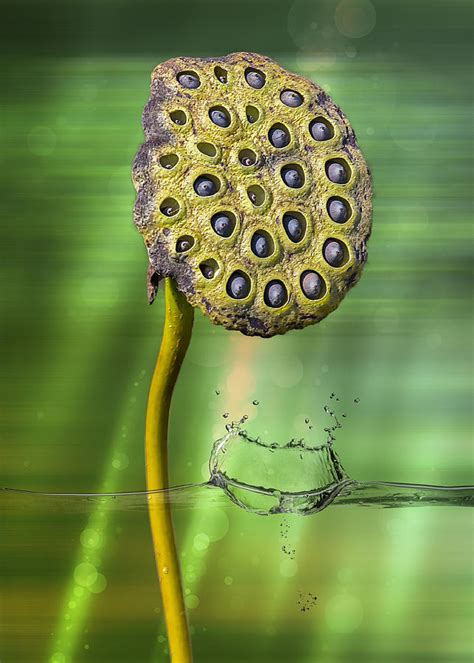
x: 178, y: 326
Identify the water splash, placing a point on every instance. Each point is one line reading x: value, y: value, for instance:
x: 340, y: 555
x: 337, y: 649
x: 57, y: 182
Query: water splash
x: 271, y: 479
x: 267, y: 478
x: 262, y: 478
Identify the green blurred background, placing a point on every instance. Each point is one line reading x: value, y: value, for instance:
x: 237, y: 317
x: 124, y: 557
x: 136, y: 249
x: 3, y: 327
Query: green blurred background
x: 78, y: 343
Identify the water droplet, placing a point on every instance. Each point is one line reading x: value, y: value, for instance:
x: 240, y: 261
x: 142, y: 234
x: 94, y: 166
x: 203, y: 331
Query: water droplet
x: 225, y: 415
x: 218, y: 393
x: 165, y: 570
x: 192, y: 601
x: 306, y: 601
x: 255, y: 402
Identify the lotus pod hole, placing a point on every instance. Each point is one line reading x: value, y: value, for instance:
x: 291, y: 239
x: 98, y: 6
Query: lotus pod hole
x: 220, y: 116
x: 178, y: 117
x: 247, y: 157
x: 262, y: 244
x: 223, y: 223
x: 276, y: 294
x: 338, y: 171
x: 256, y: 176
x: 252, y: 114
x: 169, y: 161
x: 255, y: 78
x: 279, y: 136
x: 312, y: 285
x: 169, y: 207
x: 335, y: 253
x: 209, y: 268
x: 238, y: 286
x: 184, y: 243
x: 295, y: 226
x: 291, y: 98
x: 320, y: 129
x: 189, y: 79
x: 208, y: 149
x: 220, y: 74
x: 256, y: 195
x: 206, y: 185
x: 339, y: 210
x: 293, y: 176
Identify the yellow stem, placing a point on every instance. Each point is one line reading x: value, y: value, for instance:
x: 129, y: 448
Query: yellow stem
x: 176, y: 336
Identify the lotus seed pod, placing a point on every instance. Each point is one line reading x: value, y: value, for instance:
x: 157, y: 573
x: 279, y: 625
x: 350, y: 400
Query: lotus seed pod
x: 252, y: 193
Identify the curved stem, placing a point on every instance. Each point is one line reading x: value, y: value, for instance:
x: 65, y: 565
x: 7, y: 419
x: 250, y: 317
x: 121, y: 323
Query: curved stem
x: 178, y: 326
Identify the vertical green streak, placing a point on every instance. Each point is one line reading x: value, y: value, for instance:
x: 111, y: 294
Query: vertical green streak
x: 87, y: 579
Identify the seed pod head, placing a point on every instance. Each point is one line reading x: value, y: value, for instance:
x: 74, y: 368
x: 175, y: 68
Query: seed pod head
x: 252, y: 192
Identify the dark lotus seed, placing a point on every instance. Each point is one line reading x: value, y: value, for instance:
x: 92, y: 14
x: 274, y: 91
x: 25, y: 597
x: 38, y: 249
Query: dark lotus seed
x: 219, y: 117
x: 260, y: 245
x: 278, y: 137
x: 253, y: 197
x: 293, y: 227
x: 183, y: 245
x: 337, y: 173
x: 191, y: 81
x: 338, y: 211
x: 255, y: 79
x: 169, y: 211
x: 292, y: 177
x: 334, y: 253
x: 222, y: 225
x: 320, y: 130
x: 291, y: 98
x: 275, y: 294
x: 204, y: 186
x: 238, y: 287
x: 312, y: 285
x: 208, y: 271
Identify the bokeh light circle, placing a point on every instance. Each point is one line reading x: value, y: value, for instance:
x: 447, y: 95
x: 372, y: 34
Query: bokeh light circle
x: 85, y: 574
x: 355, y: 18
x: 288, y: 568
x: 344, y: 613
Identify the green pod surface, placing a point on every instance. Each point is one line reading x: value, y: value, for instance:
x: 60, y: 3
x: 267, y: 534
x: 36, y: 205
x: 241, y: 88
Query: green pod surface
x: 183, y: 144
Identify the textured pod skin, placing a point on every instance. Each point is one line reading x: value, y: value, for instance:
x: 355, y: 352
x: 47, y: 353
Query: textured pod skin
x: 173, y: 156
